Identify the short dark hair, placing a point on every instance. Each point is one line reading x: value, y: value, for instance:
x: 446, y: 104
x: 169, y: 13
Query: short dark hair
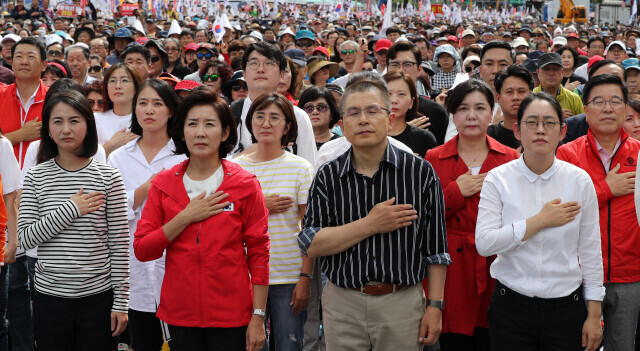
x: 56, y: 70
x: 204, y: 97
x: 48, y: 148
x: 573, y: 52
x: 600, y: 80
x: 166, y: 93
x: 539, y: 96
x: 421, y: 39
x: 594, y: 39
x: 236, y: 45
x: 185, y: 33
x: 267, y: 50
x: 108, y: 104
x: 596, y: 66
x: 498, y: 44
x: 223, y: 69
x: 401, y: 46
x: 412, y: 113
x: 132, y: 49
x: 393, y: 29
x: 634, y: 104
x: 266, y: 100
x: 456, y: 96
x: 35, y: 41
x: 63, y: 84
x: 313, y: 93
x: 515, y: 70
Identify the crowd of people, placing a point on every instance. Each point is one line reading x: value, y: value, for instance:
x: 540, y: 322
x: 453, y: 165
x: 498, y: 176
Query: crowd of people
x: 309, y: 182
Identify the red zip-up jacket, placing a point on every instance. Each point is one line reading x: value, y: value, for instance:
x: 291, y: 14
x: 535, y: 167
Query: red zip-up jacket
x: 618, y: 221
x: 208, y: 276
x: 468, y: 287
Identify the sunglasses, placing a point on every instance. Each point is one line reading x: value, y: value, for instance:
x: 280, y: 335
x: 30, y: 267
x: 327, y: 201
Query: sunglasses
x: 207, y: 56
x: 99, y: 102
x: 304, y: 45
x: 95, y: 68
x: 239, y: 86
x: 321, y: 107
x: 350, y: 52
x: 211, y: 77
x: 155, y: 58
x: 54, y: 53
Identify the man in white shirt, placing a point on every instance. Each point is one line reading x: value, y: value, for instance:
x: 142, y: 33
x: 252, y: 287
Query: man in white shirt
x: 263, y: 65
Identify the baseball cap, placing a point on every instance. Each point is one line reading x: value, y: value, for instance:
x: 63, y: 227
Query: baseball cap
x: 207, y: 47
x: 322, y: 50
x: 383, y: 44
x: 192, y: 46
x: 548, y: 59
x: 619, y: 43
x: 593, y: 60
x: 297, y: 56
x: 631, y: 63
x: 11, y: 36
x: 187, y: 85
x: 123, y: 33
x: 468, y: 32
x: 304, y: 34
x: 560, y: 41
x: 452, y: 38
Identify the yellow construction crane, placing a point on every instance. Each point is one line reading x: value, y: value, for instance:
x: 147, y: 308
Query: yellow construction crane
x: 569, y: 13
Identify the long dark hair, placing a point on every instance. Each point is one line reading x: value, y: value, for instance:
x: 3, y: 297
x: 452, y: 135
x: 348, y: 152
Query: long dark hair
x: 166, y: 93
x: 412, y: 112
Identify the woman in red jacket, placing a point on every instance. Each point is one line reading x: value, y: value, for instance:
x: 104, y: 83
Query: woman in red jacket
x: 462, y: 164
x: 209, y: 214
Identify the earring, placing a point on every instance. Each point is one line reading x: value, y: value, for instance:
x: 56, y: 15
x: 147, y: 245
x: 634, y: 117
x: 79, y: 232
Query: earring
x: 50, y: 136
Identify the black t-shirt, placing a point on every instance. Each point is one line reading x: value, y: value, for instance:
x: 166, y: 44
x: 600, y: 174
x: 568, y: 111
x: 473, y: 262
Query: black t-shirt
x: 438, y: 117
x: 503, y: 135
x: 573, y: 78
x: 418, y: 140
x: 333, y: 137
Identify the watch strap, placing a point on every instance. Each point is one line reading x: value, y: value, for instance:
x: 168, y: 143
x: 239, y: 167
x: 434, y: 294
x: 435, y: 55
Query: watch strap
x: 436, y: 303
x: 260, y: 313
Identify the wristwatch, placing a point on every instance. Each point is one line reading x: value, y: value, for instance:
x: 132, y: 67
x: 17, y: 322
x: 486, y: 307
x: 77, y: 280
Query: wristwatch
x: 436, y: 303
x: 260, y: 313
x: 310, y: 276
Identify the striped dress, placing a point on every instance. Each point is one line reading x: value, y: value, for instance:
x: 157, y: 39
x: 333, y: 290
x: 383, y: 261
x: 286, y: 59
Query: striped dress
x: 287, y: 175
x: 78, y: 256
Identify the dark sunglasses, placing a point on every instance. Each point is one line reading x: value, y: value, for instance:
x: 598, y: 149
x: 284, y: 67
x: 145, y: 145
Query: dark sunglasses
x: 304, y: 45
x: 211, y: 77
x: 99, y: 102
x: 321, y: 107
x: 350, y: 52
x: 239, y: 86
x: 95, y: 68
x: 200, y: 55
x: 54, y: 53
x: 155, y: 58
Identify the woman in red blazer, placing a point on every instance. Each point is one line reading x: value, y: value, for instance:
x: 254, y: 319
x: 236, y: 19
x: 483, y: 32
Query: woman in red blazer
x: 209, y: 215
x: 462, y: 164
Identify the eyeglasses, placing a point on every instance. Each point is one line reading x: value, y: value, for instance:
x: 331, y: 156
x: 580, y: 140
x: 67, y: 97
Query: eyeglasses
x: 54, y: 53
x: 95, y: 68
x: 371, y: 111
x: 548, y: 124
x: 321, y: 107
x: 123, y: 82
x: 211, y: 77
x: 350, y: 52
x: 405, y: 65
x: 616, y: 51
x: 268, y: 65
x: 615, y: 102
x: 239, y: 86
x: 96, y: 47
x: 273, y: 120
x: 200, y: 55
x: 155, y: 58
x: 304, y: 45
x: 99, y: 102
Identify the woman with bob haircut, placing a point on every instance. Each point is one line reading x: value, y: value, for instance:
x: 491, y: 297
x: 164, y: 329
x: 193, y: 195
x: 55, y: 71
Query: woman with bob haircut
x: 462, y: 163
x: 323, y: 111
x: 121, y: 81
x: 273, y: 126
x: 209, y: 215
x: 75, y: 210
x: 539, y: 215
x: 139, y: 161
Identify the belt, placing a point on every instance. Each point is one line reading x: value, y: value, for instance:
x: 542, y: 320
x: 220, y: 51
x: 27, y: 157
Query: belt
x: 379, y: 289
x: 574, y: 297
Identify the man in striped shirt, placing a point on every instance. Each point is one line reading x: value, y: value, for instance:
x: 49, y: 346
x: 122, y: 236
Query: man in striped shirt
x: 375, y: 217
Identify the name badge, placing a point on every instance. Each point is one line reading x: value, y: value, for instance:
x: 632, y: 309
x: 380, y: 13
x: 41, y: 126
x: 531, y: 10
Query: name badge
x: 229, y: 208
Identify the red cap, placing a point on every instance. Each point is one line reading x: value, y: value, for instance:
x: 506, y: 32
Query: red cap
x: 452, y: 38
x: 187, y: 84
x: 142, y: 40
x: 383, y: 44
x: 572, y: 35
x: 207, y: 46
x: 593, y: 60
x: 192, y: 46
x: 322, y: 50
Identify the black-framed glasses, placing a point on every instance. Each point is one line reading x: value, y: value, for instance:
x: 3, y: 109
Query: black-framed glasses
x: 350, y: 52
x: 211, y: 77
x: 321, y: 107
x: 54, y: 53
x: 207, y: 56
x: 95, y: 68
x: 548, y: 123
x: 155, y: 58
x: 239, y: 86
x: 304, y: 45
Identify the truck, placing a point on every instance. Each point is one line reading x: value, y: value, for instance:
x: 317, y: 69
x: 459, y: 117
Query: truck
x: 612, y: 11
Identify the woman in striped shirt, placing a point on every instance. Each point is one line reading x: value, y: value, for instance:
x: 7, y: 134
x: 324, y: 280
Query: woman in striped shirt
x: 285, y: 179
x: 75, y: 209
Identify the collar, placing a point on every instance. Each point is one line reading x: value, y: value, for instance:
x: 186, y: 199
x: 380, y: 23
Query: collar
x: 557, y: 94
x: 450, y: 148
x: 532, y: 177
x: 345, y: 163
x: 595, y: 146
x: 38, y: 95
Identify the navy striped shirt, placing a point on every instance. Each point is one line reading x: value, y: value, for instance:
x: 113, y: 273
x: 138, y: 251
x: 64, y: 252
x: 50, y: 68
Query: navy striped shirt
x: 339, y: 195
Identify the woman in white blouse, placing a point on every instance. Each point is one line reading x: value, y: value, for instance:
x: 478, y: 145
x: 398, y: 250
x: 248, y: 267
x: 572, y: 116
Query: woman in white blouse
x: 121, y: 81
x: 539, y: 215
x: 139, y: 161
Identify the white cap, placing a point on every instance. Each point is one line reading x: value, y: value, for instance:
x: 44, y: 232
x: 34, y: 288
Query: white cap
x: 519, y: 41
x: 257, y: 35
x: 53, y: 39
x: 11, y: 36
x: 617, y: 42
x: 286, y: 31
x: 559, y: 41
x: 468, y: 32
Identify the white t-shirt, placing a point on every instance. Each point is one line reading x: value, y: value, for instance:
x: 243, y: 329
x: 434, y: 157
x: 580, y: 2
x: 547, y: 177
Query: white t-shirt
x: 207, y: 186
x: 332, y: 149
x: 9, y: 169
x: 108, y: 124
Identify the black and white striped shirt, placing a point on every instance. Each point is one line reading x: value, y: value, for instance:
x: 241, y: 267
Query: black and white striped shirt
x: 339, y: 195
x: 77, y: 255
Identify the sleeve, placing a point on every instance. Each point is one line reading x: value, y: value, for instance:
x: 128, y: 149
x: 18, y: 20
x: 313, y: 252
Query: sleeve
x: 435, y: 252
x: 306, y: 141
x: 149, y: 240
x: 256, y: 237
x: 317, y: 215
x: 491, y: 236
x: 118, y: 241
x: 589, y: 246
x: 34, y: 229
x: 305, y: 177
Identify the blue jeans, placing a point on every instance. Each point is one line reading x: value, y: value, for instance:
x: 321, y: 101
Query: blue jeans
x: 287, y: 327
x: 19, y: 308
